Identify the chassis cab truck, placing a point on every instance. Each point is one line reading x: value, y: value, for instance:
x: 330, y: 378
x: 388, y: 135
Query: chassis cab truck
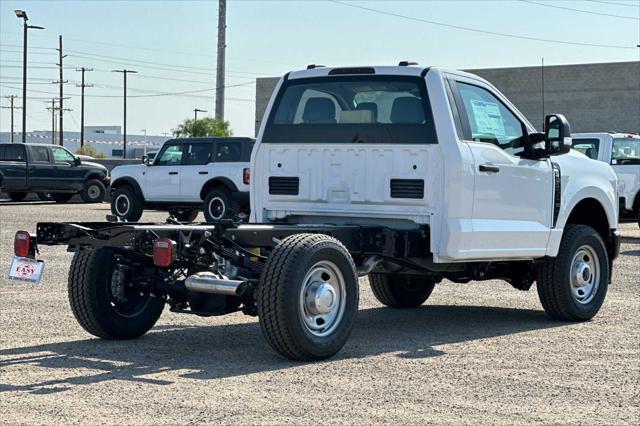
x: 407, y: 174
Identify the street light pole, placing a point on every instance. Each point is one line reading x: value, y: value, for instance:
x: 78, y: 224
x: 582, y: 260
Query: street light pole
x: 21, y: 14
x: 124, y: 136
x: 195, y: 112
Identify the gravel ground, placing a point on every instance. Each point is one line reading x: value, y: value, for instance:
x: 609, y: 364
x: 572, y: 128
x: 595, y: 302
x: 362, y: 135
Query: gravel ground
x: 475, y: 353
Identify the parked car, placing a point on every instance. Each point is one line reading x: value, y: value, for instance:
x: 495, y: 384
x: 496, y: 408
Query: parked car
x: 52, y: 172
x: 406, y: 174
x: 186, y: 176
x: 622, y: 152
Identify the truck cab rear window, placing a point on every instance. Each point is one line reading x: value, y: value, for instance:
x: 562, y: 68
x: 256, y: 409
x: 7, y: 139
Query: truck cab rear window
x: 351, y: 109
x: 12, y: 153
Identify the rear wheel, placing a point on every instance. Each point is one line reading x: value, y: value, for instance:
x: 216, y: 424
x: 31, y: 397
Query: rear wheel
x: 126, y: 204
x: 217, y: 205
x: 572, y: 287
x: 17, y: 196
x: 93, y: 191
x: 308, y: 297
x: 184, y: 215
x: 44, y: 196
x: 105, y: 300
x: 61, y: 197
x: 401, y: 291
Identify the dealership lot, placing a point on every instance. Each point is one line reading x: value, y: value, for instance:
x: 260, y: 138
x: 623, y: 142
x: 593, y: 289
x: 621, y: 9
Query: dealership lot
x: 478, y: 352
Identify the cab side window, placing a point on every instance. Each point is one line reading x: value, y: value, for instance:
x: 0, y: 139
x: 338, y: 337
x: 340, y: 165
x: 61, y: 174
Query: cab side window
x: 14, y: 153
x: 489, y: 120
x: 40, y: 154
x: 228, y: 152
x: 61, y: 155
x: 588, y: 147
x: 171, y: 156
x: 198, y: 154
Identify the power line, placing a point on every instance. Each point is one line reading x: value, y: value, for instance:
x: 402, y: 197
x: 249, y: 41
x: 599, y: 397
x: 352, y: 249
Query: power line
x: 580, y: 10
x: 613, y: 3
x: 476, y: 30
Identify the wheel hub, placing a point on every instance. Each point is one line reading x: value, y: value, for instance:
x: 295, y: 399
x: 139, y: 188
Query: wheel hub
x: 321, y: 298
x: 585, y: 275
x: 582, y: 274
x: 93, y: 191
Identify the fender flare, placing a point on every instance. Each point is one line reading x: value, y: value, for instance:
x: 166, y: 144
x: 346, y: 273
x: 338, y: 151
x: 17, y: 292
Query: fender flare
x: 217, y: 181
x: 127, y: 181
x: 606, y: 202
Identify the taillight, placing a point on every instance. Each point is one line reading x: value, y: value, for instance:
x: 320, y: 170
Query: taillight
x: 163, y: 252
x: 246, y: 175
x: 21, y: 244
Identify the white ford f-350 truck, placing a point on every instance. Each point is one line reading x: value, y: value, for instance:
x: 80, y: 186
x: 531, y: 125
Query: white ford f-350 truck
x: 407, y: 174
x: 622, y: 152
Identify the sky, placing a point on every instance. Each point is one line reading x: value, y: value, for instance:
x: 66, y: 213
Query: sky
x: 172, y: 45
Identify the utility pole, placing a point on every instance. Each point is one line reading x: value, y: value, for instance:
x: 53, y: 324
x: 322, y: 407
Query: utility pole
x: 220, y: 62
x: 124, y: 138
x: 52, y: 108
x: 21, y: 14
x: 543, y: 116
x: 82, y: 85
x: 12, y: 107
x: 61, y: 82
x: 195, y: 112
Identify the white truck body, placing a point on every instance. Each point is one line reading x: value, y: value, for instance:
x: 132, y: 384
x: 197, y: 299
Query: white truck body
x: 472, y: 214
x: 622, y: 152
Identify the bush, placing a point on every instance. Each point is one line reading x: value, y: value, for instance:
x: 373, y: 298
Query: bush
x: 90, y: 151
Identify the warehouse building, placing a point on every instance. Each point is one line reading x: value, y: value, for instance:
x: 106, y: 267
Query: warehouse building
x: 593, y: 97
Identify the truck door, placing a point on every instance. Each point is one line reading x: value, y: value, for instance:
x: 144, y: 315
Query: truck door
x: 162, y: 179
x: 68, y: 176
x: 14, y: 167
x: 513, y: 196
x: 196, y: 170
x: 41, y: 168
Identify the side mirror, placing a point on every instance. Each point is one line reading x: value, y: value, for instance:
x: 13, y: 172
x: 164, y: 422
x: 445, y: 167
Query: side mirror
x: 77, y: 161
x: 145, y: 160
x: 557, y: 134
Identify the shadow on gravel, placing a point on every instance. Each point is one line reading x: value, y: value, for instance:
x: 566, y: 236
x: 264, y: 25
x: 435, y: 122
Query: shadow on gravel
x: 630, y: 240
x: 214, y: 352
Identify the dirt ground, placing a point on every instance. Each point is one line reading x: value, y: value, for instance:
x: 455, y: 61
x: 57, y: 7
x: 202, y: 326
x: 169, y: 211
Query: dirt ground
x: 474, y: 353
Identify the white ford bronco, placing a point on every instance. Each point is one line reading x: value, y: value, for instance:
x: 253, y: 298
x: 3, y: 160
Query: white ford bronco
x: 407, y: 174
x: 622, y: 152
x: 187, y: 175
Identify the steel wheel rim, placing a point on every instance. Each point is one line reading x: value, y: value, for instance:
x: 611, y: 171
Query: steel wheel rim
x: 217, y: 205
x: 93, y: 191
x: 322, y: 298
x: 122, y: 205
x: 585, y: 275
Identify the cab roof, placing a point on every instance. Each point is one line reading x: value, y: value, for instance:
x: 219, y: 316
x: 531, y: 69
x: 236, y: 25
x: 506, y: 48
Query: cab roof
x: 401, y: 70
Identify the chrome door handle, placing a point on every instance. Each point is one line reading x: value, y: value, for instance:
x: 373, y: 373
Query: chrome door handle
x: 489, y: 168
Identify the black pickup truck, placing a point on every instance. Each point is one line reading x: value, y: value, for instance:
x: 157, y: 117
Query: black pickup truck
x: 50, y: 171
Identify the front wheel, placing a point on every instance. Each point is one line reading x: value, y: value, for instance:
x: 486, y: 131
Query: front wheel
x: 126, y: 204
x: 17, y: 196
x: 572, y: 287
x: 106, y: 299
x: 93, y: 191
x: 401, y: 291
x: 308, y: 297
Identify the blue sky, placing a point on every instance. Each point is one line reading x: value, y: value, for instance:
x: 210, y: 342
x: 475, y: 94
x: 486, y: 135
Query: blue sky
x: 172, y: 46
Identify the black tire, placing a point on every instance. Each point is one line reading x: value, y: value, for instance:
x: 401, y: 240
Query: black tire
x: 126, y: 204
x: 44, y: 196
x: 283, y: 289
x: 17, y: 196
x: 560, y: 298
x: 401, y: 291
x: 61, y: 197
x: 93, y: 191
x: 184, y: 215
x: 92, y: 302
x: 218, y: 205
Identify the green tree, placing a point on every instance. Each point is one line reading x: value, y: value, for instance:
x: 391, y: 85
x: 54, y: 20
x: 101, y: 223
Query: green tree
x: 90, y: 151
x: 202, y: 127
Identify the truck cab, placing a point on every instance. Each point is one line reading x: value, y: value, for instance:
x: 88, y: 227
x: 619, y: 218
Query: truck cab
x: 622, y: 152
x: 410, y: 146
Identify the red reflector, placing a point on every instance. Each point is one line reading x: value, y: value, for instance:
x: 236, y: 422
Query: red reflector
x: 21, y: 243
x: 246, y: 175
x: 163, y: 254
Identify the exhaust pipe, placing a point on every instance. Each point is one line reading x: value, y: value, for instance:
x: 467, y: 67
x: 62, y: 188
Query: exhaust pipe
x: 208, y: 282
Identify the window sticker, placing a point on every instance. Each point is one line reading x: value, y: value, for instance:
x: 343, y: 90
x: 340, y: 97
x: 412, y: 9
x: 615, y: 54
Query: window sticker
x: 488, y: 118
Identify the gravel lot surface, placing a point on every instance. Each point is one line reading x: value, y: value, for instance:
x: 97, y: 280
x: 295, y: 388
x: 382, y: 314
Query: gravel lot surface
x: 475, y: 353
